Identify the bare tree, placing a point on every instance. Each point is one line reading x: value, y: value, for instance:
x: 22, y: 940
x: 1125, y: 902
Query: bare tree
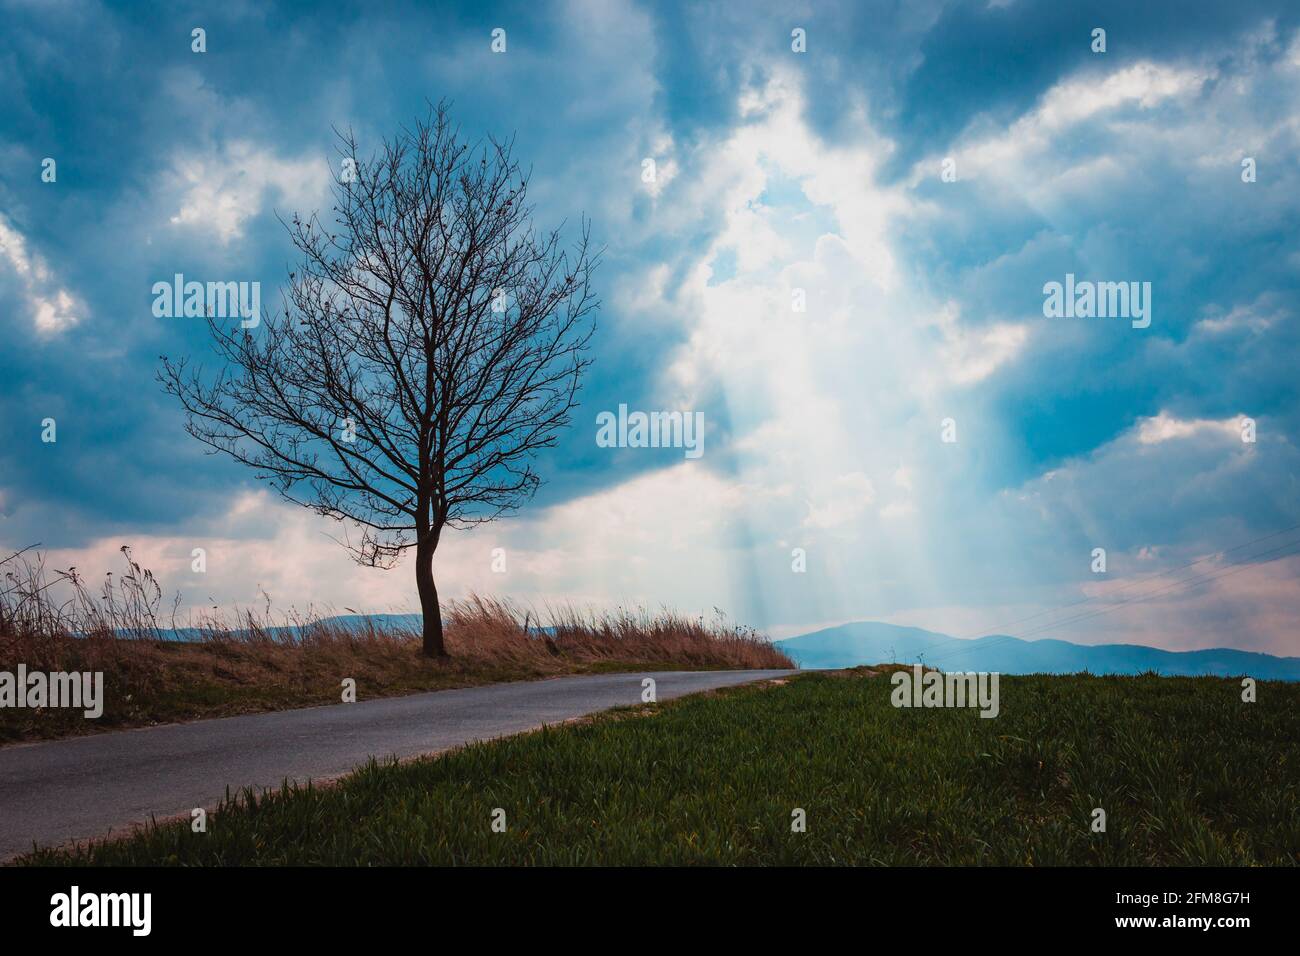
x: 431, y: 342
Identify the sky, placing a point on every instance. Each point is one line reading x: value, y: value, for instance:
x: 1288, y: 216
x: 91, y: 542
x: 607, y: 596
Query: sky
x: 913, y: 178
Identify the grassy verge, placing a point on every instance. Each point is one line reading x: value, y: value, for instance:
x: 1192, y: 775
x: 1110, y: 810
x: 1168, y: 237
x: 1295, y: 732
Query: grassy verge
x: 1186, y: 772
x: 256, y: 664
x: 153, y: 682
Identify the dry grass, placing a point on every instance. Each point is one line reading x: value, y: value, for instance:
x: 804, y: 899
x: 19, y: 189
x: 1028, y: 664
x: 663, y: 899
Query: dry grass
x: 250, y: 662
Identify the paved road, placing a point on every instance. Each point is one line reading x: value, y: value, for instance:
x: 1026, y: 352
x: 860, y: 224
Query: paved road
x: 84, y: 787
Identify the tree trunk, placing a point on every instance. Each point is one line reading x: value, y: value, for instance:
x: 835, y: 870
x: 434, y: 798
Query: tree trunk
x: 433, y: 645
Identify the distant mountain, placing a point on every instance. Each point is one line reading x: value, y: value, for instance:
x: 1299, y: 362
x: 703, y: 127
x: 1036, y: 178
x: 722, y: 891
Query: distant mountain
x: 382, y: 622
x: 871, y: 642
x: 348, y: 622
x: 408, y: 622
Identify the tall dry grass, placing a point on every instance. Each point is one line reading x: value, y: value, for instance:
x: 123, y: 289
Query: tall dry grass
x: 159, y: 667
x: 499, y: 629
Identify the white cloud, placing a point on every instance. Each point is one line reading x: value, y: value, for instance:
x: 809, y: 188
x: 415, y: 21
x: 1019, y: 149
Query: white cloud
x: 258, y: 544
x: 1026, y: 154
x: 1164, y: 427
x: 1143, y: 84
x: 219, y: 192
x: 654, y: 539
x: 53, y: 308
x: 840, y: 502
x: 850, y: 388
x: 969, y: 355
x: 1255, y: 318
x: 660, y: 162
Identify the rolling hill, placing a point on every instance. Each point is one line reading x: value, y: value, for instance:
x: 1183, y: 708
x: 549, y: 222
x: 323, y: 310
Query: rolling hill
x: 872, y: 642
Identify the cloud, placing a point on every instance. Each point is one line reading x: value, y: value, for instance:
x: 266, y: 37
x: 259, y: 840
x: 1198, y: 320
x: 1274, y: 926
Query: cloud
x: 1028, y: 157
x: 1254, y: 318
x: 972, y: 355
x: 53, y: 308
x: 257, y: 547
x: 782, y: 178
x: 1246, y: 605
x: 840, y: 502
x: 218, y: 193
x: 1164, y: 427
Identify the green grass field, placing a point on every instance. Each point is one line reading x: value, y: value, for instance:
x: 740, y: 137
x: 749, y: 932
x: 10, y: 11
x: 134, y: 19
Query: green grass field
x: 1186, y: 772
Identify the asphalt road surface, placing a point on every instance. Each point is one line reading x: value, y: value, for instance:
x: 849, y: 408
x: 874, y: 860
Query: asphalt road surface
x: 87, y: 787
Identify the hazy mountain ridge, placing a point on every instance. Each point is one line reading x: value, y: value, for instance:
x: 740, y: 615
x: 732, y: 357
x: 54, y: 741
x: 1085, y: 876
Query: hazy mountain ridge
x: 873, y: 642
